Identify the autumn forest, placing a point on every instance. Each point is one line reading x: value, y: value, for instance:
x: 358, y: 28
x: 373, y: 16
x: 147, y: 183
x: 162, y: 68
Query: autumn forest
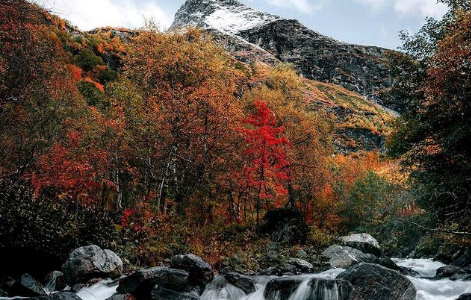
x: 156, y: 143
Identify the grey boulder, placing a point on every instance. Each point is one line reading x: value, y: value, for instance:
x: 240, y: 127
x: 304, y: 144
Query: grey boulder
x: 55, y: 281
x: 243, y: 282
x: 375, y: 282
x: 363, y: 242
x: 142, y: 282
x: 90, y: 262
x: 27, y: 286
x: 344, y: 256
x: 301, y: 265
x: 200, y: 272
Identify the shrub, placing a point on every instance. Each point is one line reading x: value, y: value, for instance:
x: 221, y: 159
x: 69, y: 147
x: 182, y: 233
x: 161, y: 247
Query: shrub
x: 46, y: 227
x: 92, y: 94
x: 87, y: 60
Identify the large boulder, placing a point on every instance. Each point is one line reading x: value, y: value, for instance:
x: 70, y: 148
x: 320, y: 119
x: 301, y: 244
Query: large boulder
x: 344, y: 256
x: 141, y: 282
x: 161, y: 293
x: 305, y: 289
x: 200, y: 271
x: 90, y: 262
x: 54, y: 281
x: 448, y: 271
x: 375, y: 282
x: 363, y: 242
x: 281, y: 288
x: 454, y: 273
x: 243, y: 282
x: 27, y: 286
x: 300, y: 265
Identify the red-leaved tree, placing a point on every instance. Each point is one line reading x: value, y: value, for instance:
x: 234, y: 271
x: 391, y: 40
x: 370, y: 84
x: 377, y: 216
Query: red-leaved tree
x: 266, y: 160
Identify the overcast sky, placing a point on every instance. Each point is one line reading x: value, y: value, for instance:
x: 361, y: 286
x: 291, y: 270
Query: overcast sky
x: 370, y: 22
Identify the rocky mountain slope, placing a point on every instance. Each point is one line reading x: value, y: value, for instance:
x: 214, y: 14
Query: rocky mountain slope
x: 252, y: 34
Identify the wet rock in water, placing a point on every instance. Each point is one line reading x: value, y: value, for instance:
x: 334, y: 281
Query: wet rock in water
x: 454, y: 273
x: 390, y: 264
x: 243, y: 282
x: 141, y: 282
x: 122, y: 297
x: 27, y: 286
x: 65, y: 296
x: 465, y: 297
x: 409, y: 272
x: 55, y: 281
x: 200, y: 272
x: 281, y: 288
x: 315, y: 288
x: 301, y: 265
x: 375, y: 282
x: 463, y: 277
x: 363, y: 242
x: 332, y: 289
x: 161, y: 293
x: 448, y: 271
x: 344, y: 256
x: 89, y: 262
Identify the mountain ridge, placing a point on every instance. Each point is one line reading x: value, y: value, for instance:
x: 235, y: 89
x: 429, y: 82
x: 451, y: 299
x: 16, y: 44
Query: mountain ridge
x: 362, y: 69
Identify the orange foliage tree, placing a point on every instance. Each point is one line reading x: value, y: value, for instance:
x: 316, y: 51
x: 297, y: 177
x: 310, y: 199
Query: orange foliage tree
x: 188, y: 87
x: 37, y: 93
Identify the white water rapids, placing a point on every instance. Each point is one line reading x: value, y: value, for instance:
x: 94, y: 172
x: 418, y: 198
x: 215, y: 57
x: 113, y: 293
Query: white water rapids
x: 427, y: 288
x: 443, y: 289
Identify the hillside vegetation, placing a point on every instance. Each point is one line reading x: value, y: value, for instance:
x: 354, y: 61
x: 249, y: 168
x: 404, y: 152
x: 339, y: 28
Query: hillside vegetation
x: 158, y: 143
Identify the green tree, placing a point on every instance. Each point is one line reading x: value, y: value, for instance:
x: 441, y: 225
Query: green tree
x: 433, y: 134
x: 87, y: 59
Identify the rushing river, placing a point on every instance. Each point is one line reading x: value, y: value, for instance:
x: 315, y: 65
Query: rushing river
x: 427, y: 288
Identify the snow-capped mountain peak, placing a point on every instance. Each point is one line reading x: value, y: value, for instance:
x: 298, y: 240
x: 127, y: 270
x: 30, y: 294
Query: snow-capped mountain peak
x: 227, y: 16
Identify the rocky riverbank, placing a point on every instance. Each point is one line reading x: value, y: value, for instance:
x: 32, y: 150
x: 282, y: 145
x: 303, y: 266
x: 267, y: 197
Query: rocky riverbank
x: 357, y: 270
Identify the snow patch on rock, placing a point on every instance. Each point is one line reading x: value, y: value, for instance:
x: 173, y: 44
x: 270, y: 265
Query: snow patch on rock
x: 235, y: 19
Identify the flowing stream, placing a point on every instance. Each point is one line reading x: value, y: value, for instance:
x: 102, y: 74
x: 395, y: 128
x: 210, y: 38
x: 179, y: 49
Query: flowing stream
x: 427, y: 287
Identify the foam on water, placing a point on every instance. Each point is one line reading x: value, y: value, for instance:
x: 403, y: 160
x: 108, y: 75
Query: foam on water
x: 443, y: 289
x: 431, y: 289
x: 99, y: 291
x: 425, y: 267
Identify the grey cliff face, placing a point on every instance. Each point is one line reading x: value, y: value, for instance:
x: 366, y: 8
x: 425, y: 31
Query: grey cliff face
x: 251, y: 34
